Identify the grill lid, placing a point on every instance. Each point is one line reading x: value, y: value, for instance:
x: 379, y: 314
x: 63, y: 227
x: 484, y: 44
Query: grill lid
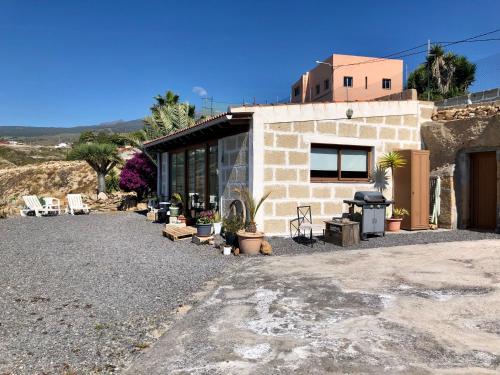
x: 369, y: 196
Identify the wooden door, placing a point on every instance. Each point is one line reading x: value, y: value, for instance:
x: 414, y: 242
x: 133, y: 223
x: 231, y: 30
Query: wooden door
x: 420, y: 190
x: 483, y: 192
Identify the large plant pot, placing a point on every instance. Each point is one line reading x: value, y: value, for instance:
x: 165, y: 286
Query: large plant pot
x: 393, y: 224
x: 174, y: 211
x: 250, y: 242
x: 217, y: 228
x: 203, y: 230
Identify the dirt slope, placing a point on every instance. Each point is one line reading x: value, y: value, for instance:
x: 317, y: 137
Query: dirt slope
x: 54, y: 179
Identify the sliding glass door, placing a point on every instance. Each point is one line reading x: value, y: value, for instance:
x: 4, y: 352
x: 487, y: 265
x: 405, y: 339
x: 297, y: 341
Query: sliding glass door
x: 194, y: 174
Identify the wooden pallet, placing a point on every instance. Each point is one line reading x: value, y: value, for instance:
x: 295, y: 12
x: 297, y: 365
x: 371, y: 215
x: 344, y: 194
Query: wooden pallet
x: 179, y: 233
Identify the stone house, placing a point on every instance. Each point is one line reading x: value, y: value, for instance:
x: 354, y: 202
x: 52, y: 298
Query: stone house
x: 305, y: 154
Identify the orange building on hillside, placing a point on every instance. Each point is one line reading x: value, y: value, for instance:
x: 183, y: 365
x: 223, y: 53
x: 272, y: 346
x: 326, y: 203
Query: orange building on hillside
x: 342, y: 78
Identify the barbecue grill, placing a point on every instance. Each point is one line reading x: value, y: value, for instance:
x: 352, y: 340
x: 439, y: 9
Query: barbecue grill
x: 373, y: 206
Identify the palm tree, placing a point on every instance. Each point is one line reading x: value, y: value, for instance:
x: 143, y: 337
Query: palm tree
x: 252, y: 206
x: 442, y: 75
x: 102, y: 157
x: 167, y: 118
x: 392, y: 160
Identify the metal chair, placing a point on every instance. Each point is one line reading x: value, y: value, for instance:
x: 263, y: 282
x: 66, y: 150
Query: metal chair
x: 303, y: 225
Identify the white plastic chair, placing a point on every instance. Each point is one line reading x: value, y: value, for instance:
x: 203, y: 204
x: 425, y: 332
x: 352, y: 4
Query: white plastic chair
x: 53, y: 204
x: 75, y: 203
x: 33, y: 205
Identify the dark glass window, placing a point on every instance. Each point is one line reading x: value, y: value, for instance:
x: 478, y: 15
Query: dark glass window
x: 366, y: 83
x: 296, y: 91
x: 331, y: 163
x: 347, y: 81
x: 386, y: 83
x: 318, y: 89
x: 327, y: 84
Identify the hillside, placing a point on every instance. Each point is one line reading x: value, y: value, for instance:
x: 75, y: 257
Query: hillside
x: 53, y: 135
x: 18, y: 155
x: 54, y: 179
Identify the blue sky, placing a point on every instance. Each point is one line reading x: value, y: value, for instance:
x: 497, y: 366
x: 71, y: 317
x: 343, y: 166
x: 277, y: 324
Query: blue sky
x: 66, y: 63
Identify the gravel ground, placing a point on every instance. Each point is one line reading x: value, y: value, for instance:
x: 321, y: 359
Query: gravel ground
x: 287, y: 246
x: 83, y: 294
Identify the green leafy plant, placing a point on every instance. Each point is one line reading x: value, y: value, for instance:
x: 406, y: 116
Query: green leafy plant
x: 392, y: 160
x: 217, y: 217
x: 399, y: 213
x: 252, y: 206
x: 176, y: 199
x: 112, y: 182
x: 232, y: 224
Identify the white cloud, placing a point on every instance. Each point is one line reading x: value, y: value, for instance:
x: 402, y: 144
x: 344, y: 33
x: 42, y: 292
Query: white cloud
x: 200, y: 91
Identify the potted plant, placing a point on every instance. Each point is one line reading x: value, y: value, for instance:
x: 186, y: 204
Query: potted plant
x: 204, y: 224
x: 231, y: 225
x: 175, y: 200
x: 217, y: 223
x: 392, y: 160
x: 394, y: 222
x: 249, y: 239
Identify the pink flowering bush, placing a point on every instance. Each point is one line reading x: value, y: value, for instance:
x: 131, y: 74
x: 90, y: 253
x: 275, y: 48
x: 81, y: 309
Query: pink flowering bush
x: 139, y: 175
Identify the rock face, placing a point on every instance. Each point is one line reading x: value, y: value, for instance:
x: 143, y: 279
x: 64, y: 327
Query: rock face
x: 470, y: 111
x: 445, y: 138
x: 451, y: 144
x: 102, y: 196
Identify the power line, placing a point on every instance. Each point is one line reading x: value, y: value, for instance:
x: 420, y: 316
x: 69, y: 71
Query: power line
x: 446, y: 44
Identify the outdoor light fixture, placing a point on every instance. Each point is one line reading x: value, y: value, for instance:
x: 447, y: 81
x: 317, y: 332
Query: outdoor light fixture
x: 349, y: 113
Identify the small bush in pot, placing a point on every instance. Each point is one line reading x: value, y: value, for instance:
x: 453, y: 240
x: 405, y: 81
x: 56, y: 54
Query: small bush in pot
x: 249, y: 239
x: 176, y: 201
x: 394, y: 223
x: 231, y: 226
x: 204, y: 223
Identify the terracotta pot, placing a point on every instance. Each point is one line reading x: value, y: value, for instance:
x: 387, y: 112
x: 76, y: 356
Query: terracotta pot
x: 393, y: 224
x: 250, y: 242
x: 182, y: 219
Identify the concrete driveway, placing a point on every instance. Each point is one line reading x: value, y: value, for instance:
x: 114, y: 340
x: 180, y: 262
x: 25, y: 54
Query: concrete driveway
x: 407, y: 310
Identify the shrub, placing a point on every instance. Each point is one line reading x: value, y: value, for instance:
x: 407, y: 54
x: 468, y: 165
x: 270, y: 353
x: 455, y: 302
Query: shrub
x: 112, y: 182
x: 206, y: 217
x: 139, y: 175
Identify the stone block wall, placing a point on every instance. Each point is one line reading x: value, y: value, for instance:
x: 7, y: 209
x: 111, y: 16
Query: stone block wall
x: 233, y: 167
x: 286, y: 162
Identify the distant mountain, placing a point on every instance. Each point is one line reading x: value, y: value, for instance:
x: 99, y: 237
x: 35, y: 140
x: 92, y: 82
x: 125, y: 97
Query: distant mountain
x: 35, y: 131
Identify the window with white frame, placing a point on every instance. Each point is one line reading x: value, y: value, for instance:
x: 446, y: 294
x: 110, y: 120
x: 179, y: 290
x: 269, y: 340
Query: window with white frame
x: 386, y: 83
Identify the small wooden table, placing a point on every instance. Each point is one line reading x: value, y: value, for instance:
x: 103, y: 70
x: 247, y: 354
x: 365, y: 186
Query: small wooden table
x: 342, y: 233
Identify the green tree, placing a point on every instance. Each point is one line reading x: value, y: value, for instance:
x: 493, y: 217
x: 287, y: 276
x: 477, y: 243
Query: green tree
x: 442, y: 75
x: 102, y: 157
x: 168, y: 114
x: 100, y: 151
